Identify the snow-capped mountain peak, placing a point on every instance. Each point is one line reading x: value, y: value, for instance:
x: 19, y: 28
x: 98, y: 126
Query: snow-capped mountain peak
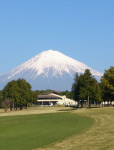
x: 48, y: 65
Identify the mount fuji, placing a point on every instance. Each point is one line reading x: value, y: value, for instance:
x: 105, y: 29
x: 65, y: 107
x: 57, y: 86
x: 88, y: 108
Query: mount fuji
x: 48, y: 70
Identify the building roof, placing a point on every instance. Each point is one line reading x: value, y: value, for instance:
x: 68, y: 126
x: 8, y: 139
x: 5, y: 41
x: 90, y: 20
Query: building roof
x: 49, y: 96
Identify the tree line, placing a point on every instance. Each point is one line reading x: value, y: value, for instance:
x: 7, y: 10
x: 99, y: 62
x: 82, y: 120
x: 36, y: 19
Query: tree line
x: 18, y: 93
x: 87, y: 88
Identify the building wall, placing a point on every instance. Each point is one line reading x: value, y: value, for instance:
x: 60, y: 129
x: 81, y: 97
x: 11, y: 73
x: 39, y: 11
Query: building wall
x: 62, y: 100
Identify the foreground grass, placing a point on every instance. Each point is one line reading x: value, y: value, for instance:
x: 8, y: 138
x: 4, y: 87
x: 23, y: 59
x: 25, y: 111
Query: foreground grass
x: 33, y: 131
x: 99, y: 137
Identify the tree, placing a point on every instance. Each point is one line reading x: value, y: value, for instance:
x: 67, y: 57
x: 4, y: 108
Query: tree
x: 85, y: 87
x: 75, y: 87
x: 96, y: 92
x: 18, y: 92
x: 34, y: 96
x: 11, y: 92
x: 6, y: 103
x: 24, y: 91
x: 107, y: 85
x: 67, y: 93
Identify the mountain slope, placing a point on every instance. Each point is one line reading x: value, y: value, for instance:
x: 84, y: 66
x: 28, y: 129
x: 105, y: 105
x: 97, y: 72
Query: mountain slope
x: 48, y: 70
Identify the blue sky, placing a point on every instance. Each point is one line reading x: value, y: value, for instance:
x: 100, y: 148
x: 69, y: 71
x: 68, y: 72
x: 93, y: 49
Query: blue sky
x: 81, y: 29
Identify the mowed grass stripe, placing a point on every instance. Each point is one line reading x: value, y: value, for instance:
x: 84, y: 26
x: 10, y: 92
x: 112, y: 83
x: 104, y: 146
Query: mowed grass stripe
x: 33, y: 131
x: 99, y: 137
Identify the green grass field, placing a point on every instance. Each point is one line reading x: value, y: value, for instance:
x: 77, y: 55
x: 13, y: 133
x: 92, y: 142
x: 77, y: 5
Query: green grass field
x: 27, y: 132
x: 50, y: 128
x: 100, y: 136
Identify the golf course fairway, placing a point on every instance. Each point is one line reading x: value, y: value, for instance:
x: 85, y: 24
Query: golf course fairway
x: 28, y: 132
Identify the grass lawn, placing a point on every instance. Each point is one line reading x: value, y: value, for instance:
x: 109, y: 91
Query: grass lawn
x: 34, y: 110
x: 27, y: 132
x: 99, y: 137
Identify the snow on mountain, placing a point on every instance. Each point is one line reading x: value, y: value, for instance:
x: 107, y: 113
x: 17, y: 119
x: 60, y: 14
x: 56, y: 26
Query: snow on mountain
x: 48, y: 70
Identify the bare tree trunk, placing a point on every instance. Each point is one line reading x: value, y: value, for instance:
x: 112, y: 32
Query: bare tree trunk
x: 27, y: 105
x: 13, y: 106
x: 88, y: 102
x: 81, y: 104
x: 10, y: 108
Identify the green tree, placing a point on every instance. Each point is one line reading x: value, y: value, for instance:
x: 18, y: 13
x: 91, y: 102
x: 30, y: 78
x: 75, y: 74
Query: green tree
x: 18, y: 92
x: 107, y: 85
x: 86, y: 87
x: 96, y: 92
x: 67, y: 93
x: 11, y: 92
x: 34, y: 96
x: 76, y: 87
x: 24, y: 91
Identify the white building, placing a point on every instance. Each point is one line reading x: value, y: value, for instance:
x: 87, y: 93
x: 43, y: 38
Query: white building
x: 54, y: 99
